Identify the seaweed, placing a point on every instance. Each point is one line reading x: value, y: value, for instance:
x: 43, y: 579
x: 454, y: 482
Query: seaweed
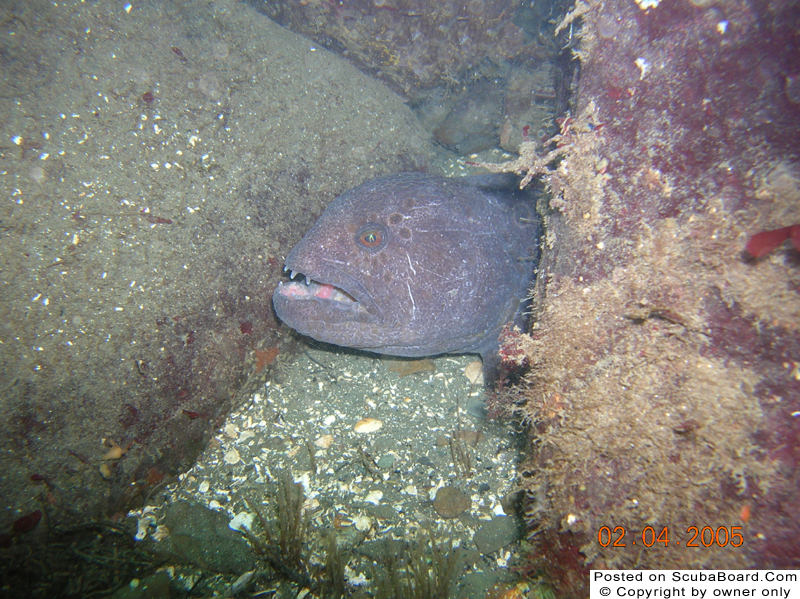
x: 419, y: 570
x: 283, y: 538
x: 333, y: 581
x: 462, y: 459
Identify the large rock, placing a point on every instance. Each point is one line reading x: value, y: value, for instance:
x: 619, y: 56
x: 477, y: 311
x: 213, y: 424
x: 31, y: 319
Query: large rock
x: 158, y: 163
x: 664, y: 387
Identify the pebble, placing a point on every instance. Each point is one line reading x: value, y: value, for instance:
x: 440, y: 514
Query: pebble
x: 231, y: 457
x: 450, y: 502
x: 241, y: 521
x: 385, y: 462
x: 368, y: 425
x: 474, y: 372
x: 324, y: 441
x: 374, y: 497
x: 230, y: 430
x: 362, y: 523
x: 161, y: 532
x: 496, y: 534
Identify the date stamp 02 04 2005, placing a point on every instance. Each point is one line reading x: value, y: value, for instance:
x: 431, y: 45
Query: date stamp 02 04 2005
x: 695, y: 537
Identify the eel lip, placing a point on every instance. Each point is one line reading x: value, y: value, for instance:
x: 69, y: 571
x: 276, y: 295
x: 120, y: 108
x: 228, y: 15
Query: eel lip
x: 346, y: 295
x: 310, y: 290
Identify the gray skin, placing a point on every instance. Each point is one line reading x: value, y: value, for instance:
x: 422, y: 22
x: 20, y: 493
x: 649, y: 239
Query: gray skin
x: 425, y: 265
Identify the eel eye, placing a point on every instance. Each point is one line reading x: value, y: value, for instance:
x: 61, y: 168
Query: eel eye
x: 371, y: 239
x: 372, y: 236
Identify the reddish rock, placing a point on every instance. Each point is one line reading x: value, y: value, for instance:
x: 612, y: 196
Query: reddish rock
x: 664, y: 362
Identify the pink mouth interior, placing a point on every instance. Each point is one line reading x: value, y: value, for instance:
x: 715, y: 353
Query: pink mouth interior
x: 324, y: 291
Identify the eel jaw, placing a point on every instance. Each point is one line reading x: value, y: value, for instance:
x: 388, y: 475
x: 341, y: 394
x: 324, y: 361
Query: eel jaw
x: 340, y: 293
x: 310, y: 289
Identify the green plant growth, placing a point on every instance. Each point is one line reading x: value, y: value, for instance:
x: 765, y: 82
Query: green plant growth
x: 420, y: 570
x: 282, y: 540
x: 333, y: 583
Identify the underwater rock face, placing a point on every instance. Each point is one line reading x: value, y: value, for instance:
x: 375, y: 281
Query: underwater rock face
x: 157, y: 188
x: 665, y: 380
x: 409, y: 45
x: 471, y: 126
x: 485, y: 62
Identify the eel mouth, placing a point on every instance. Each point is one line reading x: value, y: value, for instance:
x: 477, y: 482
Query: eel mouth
x: 334, y: 295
